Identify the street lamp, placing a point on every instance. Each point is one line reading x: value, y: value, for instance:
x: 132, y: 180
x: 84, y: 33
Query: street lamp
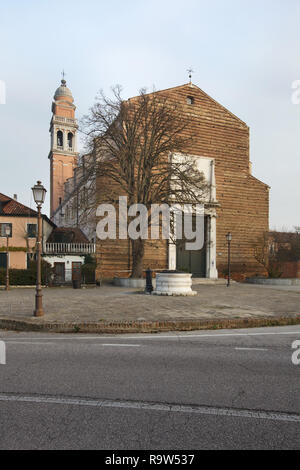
x: 39, y: 193
x: 7, y: 233
x: 228, y: 238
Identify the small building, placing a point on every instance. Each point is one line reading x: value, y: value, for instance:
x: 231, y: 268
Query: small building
x: 284, y: 249
x: 22, y: 224
x: 65, y: 250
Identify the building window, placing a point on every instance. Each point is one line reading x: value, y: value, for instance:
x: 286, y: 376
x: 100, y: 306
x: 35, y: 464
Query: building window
x: 31, y: 230
x: 60, y: 139
x: 3, y: 260
x: 190, y: 100
x: 70, y: 140
x: 3, y: 230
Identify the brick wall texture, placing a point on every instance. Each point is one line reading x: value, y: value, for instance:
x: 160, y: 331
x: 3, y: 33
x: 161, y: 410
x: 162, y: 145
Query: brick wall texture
x: 216, y: 133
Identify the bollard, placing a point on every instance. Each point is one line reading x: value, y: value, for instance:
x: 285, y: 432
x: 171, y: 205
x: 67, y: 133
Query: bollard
x: 149, y: 286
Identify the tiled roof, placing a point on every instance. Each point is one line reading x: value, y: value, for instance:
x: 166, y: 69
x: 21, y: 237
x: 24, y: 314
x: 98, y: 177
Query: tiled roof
x: 9, y: 206
x: 67, y: 235
x: 4, y: 198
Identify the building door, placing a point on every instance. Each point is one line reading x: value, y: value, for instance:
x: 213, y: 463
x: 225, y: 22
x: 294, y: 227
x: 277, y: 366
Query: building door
x: 76, y: 271
x: 192, y: 261
x: 3, y: 260
x: 59, y: 272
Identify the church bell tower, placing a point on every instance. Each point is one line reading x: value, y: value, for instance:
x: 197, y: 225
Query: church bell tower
x: 63, y: 154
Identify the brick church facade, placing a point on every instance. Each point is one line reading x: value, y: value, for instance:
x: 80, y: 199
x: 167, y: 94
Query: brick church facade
x: 238, y: 202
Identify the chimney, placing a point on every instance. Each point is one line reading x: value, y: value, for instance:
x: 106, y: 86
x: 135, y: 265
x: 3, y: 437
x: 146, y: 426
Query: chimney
x: 15, y: 197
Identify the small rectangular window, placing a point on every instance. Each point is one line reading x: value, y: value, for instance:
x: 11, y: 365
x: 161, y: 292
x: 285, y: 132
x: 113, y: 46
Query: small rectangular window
x: 31, y: 230
x: 3, y: 230
x: 3, y: 260
x: 189, y: 100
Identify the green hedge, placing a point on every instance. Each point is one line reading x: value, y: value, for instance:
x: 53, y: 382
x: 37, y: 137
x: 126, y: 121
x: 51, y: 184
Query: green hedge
x: 25, y: 277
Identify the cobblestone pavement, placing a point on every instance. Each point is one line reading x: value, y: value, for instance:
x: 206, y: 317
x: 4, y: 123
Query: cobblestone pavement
x: 110, y: 303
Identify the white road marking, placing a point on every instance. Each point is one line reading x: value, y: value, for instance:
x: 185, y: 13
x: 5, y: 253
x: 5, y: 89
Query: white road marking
x: 28, y: 342
x: 2, y: 353
x: 54, y: 344
x: 220, y: 335
x: 140, y: 405
x: 157, y: 336
x: 121, y: 345
x: 251, y: 349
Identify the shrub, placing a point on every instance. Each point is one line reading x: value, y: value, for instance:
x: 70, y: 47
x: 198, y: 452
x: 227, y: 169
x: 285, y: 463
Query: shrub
x: 25, y: 277
x: 88, y: 269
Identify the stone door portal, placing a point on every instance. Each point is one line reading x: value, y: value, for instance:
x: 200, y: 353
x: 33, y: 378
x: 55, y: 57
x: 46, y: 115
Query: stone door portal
x: 190, y: 261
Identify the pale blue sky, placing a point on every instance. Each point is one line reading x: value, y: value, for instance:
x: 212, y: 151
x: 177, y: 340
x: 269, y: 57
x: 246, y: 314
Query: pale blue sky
x: 245, y: 54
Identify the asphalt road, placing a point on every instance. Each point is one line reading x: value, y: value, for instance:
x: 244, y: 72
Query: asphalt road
x: 202, y: 390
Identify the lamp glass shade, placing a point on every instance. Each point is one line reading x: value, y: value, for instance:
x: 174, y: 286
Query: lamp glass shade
x: 39, y: 193
x: 7, y: 230
x: 229, y: 237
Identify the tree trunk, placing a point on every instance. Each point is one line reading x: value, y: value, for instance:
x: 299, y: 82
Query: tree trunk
x: 138, y: 250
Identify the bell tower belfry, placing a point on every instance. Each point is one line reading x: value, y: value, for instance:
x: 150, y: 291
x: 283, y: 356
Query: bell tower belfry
x: 63, y: 154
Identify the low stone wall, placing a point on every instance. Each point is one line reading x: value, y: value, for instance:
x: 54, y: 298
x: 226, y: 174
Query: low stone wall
x: 274, y: 282
x: 129, y: 282
x: 145, y: 327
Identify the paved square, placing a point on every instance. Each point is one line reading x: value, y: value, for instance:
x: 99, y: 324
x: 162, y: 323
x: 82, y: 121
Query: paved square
x: 113, y: 304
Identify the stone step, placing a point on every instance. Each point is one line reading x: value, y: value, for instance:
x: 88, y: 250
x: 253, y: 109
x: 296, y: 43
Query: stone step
x: 210, y: 282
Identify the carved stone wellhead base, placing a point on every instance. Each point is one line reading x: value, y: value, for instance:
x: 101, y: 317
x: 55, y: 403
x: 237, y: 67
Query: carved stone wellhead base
x: 174, y: 283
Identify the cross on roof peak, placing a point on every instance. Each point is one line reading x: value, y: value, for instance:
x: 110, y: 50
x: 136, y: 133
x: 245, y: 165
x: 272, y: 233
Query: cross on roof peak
x: 190, y: 72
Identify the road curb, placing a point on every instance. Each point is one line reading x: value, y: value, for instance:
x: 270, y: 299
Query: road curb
x: 123, y: 327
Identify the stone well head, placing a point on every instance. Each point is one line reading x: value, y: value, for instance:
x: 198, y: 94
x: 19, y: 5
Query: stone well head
x: 174, y: 283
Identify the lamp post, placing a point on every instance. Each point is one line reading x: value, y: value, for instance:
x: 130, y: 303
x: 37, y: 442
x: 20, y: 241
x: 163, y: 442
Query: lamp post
x: 229, y: 238
x: 7, y: 233
x: 39, y: 193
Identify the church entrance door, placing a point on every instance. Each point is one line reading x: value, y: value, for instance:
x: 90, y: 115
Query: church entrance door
x: 192, y: 261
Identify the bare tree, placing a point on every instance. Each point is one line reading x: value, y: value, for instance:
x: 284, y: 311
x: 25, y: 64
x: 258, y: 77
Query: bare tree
x: 132, y: 147
x: 265, y: 253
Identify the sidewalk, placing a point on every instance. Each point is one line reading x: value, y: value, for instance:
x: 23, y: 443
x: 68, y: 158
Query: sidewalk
x: 116, y: 309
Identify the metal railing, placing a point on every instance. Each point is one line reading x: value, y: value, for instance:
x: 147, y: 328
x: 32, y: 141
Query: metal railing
x: 68, y: 248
